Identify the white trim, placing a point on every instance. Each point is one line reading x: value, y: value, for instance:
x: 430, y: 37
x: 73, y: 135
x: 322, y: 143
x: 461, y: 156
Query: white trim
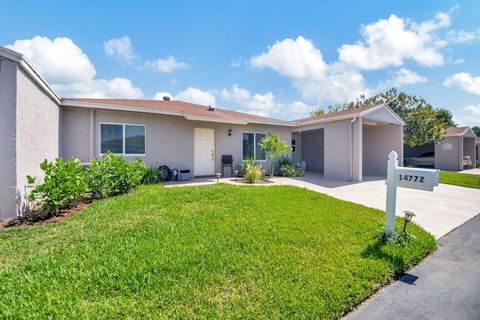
x: 361, y: 114
x: 208, y: 119
x: 254, y: 147
x: 123, y: 138
x: 26, y: 66
x: 349, y: 116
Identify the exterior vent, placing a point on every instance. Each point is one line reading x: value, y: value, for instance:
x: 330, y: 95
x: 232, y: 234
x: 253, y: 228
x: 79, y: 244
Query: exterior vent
x: 166, y: 98
x: 210, y: 108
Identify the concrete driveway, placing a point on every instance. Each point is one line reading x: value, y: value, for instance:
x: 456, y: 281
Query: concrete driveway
x: 439, y: 212
x: 446, y: 285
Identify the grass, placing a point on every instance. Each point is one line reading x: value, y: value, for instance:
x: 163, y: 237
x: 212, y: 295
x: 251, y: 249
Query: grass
x: 217, y: 251
x: 460, y: 179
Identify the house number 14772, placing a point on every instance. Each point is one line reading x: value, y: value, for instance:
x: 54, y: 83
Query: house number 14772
x: 408, y: 177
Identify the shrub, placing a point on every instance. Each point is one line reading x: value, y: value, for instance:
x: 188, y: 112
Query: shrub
x: 64, y: 184
x: 151, y: 175
x: 113, y: 175
x: 408, y: 162
x: 287, y: 168
x: 251, y: 171
x: 291, y: 171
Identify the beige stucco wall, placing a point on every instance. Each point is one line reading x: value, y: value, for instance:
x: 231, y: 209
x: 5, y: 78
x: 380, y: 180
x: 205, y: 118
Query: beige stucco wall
x: 378, y: 142
x: 37, y: 131
x: 449, y: 153
x: 8, y: 89
x: 337, y: 145
x: 169, y: 139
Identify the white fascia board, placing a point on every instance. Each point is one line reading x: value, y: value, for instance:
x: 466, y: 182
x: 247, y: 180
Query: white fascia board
x: 361, y: 114
x: 286, y: 124
x: 30, y: 70
x: 334, y: 119
x: 91, y: 105
x: 208, y: 119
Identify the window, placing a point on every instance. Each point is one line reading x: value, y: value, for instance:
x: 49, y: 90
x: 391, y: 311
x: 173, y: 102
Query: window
x: 251, y: 147
x: 126, y: 139
x: 293, y: 145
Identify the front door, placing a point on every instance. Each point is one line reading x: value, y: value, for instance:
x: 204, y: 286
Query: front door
x: 204, y: 152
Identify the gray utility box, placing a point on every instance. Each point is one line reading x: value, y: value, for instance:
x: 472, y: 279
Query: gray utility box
x: 184, y: 175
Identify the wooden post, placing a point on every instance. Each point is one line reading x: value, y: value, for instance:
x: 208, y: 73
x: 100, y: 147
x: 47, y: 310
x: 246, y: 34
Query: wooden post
x: 391, y: 194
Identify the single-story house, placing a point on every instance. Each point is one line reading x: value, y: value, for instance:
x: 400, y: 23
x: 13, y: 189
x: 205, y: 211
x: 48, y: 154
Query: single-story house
x: 449, y: 153
x: 38, y: 124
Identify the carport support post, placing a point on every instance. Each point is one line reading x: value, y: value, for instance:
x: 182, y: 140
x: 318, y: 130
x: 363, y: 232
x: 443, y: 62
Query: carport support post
x: 391, y: 194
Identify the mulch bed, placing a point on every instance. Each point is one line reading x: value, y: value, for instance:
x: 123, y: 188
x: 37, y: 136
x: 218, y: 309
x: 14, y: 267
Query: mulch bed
x: 241, y: 180
x: 38, y: 218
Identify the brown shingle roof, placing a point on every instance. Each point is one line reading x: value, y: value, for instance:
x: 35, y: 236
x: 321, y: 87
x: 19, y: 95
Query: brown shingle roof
x: 330, y: 115
x: 184, y: 108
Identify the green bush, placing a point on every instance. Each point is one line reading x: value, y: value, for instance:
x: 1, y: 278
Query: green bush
x: 287, y: 168
x: 113, y: 175
x: 151, y: 175
x: 64, y: 185
x: 251, y: 171
x: 408, y: 162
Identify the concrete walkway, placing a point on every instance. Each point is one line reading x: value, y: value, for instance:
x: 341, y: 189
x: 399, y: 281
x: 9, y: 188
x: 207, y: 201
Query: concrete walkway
x: 446, y: 285
x: 438, y: 212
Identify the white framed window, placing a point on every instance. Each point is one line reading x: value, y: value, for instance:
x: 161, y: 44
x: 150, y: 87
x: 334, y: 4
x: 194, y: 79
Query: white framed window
x: 251, y: 147
x: 123, y: 138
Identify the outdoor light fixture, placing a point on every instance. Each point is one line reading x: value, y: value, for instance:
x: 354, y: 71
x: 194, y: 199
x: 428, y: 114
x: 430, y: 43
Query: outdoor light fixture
x: 235, y: 173
x: 219, y: 175
x: 229, y: 132
x: 407, y: 218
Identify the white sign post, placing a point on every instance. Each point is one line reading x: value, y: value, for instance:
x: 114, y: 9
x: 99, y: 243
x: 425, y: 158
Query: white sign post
x: 414, y: 178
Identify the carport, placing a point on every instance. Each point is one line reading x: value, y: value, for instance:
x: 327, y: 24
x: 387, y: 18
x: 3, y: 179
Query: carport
x: 349, y: 144
x: 458, y: 143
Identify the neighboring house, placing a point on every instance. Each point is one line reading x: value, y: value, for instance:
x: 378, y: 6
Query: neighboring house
x: 449, y: 154
x: 37, y: 124
x: 477, y: 144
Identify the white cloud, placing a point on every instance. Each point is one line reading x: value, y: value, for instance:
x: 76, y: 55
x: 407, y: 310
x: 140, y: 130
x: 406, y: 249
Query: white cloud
x: 402, y: 78
x: 469, y: 116
x: 301, y: 61
x: 389, y: 42
x: 464, y: 81
x: 121, y: 48
x: 265, y: 104
x: 69, y: 70
x: 167, y: 65
x: 198, y: 96
x: 461, y: 36
x: 292, y: 58
x: 459, y: 61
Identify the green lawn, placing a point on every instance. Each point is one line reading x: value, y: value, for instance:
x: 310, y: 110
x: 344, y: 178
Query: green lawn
x: 460, y: 179
x: 207, y: 252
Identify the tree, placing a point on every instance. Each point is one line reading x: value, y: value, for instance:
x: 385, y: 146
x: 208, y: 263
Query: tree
x: 446, y: 116
x: 476, y: 129
x: 423, y: 123
x: 317, y: 112
x: 274, y: 147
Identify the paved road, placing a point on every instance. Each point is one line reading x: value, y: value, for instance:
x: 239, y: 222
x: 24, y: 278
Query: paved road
x: 446, y: 285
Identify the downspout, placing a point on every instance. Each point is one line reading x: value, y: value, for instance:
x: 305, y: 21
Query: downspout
x: 350, y: 149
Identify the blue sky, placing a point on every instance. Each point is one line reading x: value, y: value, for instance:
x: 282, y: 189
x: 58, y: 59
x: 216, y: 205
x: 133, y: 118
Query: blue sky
x: 276, y: 58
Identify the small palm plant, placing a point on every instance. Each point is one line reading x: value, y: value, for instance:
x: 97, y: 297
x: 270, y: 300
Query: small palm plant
x: 274, y: 147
